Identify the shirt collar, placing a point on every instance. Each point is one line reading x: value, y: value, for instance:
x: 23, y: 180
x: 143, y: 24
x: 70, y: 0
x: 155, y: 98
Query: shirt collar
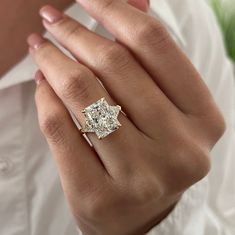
x: 25, y: 69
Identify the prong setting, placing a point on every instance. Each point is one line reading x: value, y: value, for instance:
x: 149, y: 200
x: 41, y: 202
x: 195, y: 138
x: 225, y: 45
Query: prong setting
x: 101, y: 118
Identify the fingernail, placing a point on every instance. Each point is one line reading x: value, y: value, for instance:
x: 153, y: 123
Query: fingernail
x: 39, y: 77
x: 35, y: 41
x: 50, y: 14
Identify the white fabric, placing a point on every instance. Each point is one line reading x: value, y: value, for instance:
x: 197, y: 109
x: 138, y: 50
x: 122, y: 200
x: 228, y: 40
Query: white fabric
x: 31, y: 198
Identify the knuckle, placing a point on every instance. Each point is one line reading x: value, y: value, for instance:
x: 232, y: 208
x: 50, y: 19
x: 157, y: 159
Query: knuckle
x: 152, y: 33
x: 217, y: 126
x: 148, y: 189
x: 212, y: 125
x: 72, y: 28
x: 194, y: 163
x: 202, y: 164
x: 52, y: 125
x: 142, y: 186
x: 93, y: 209
x: 45, y: 52
x: 220, y: 127
x: 76, y: 85
x: 188, y: 162
x: 113, y: 56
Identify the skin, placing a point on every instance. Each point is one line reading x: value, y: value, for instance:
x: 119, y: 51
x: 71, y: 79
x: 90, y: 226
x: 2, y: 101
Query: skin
x: 129, y: 181
x: 14, y: 33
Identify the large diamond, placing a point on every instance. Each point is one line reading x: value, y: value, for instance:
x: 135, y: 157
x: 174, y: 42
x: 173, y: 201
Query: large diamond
x: 101, y: 118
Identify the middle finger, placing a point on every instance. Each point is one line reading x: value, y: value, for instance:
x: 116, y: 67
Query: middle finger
x: 78, y: 88
x: 122, y: 75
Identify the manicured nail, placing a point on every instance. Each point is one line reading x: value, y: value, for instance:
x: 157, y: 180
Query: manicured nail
x: 35, y: 41
x: 39, y: 77
x: 50, y: 14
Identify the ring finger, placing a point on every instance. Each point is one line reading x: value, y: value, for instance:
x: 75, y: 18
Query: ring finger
x: 78, y: 88
x: 124, y: 78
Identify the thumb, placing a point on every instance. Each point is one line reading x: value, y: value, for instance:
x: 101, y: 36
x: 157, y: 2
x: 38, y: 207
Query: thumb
x: 142, y: 5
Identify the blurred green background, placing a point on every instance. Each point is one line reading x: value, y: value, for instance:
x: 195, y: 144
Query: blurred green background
x: 225, y: 12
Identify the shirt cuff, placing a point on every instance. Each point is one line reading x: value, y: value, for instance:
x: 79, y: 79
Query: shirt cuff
x: 185, y: 212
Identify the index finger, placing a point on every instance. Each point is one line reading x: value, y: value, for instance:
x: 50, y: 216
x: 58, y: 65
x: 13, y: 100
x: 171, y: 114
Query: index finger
x: 152, y: 45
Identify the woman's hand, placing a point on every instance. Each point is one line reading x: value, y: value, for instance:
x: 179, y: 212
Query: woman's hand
x: 127, y: 182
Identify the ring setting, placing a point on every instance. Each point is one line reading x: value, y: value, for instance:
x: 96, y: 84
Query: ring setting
x: 101, y: 118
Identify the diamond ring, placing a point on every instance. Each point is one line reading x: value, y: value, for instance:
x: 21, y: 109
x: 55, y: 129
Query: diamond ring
x: 101, y: 118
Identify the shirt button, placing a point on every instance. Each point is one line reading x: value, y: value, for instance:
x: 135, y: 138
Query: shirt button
x: 4, y: 166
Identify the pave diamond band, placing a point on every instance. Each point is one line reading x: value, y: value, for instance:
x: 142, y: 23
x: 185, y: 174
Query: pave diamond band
x: 101, y: 118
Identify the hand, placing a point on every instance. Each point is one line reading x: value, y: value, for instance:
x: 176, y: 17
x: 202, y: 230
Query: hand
x: 127, y: 182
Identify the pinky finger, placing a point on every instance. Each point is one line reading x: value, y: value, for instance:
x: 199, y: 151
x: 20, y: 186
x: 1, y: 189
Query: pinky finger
x: 79, y: 166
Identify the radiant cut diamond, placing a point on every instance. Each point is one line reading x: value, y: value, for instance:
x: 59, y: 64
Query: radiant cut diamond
x: 101, y: 118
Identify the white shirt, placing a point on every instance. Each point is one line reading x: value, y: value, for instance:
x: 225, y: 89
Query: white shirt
x: 31, y: 198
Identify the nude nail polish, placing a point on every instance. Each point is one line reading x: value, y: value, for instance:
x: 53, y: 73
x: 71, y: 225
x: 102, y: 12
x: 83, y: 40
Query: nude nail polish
x: 50, y: 14
x: 39, y: 77
x: 35, y: 41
